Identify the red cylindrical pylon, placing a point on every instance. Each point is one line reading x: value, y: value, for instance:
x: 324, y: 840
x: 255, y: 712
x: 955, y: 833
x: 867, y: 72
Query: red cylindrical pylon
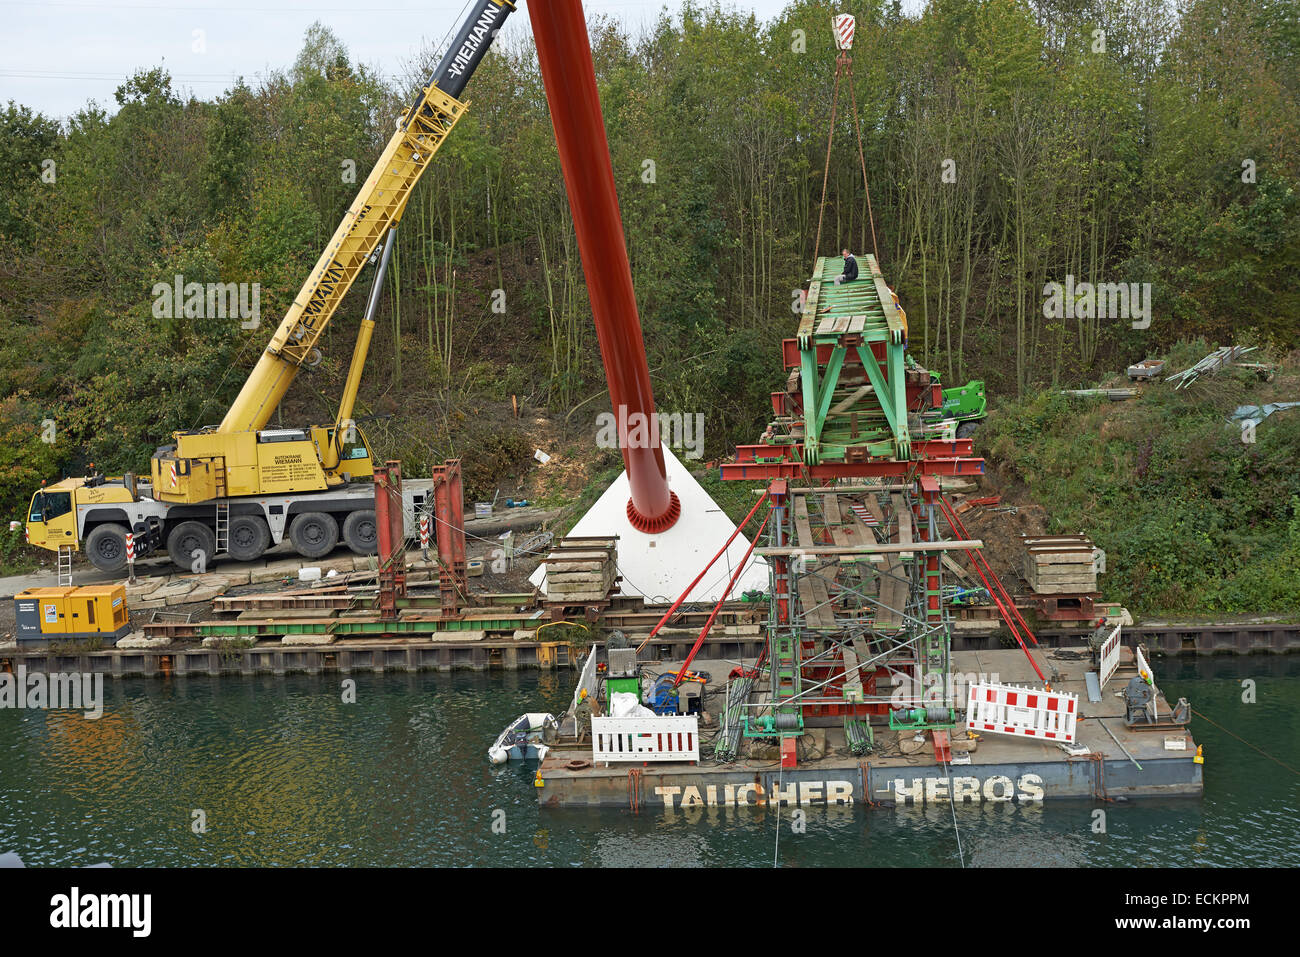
x: 564, y: 55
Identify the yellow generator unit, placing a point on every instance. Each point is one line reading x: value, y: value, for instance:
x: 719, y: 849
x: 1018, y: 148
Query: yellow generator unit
x: 90, y: 611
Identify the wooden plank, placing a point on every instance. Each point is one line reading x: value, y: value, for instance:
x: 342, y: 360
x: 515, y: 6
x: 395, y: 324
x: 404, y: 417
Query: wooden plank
x: 604, y: 581
x: 852, y: 688
x: 831, y: 511
x: 803, y: 530
x: 892, y: 593
x: 903, y: 518
x: 578, y: 594
x: 1052, y: 588
x: 956, y: 569
x: 845, y: 404
x: 1067, y: 574
x: 590, y: 568
x: 877, y: 549
x: 859, y: 534
x: 814, y: 601
x: 862, y: 649
x: 892, y: 597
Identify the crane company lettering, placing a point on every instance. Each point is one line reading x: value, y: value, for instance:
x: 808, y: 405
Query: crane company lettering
x: 465, y: 55
x: 288, y: 468
x: 993, y: 789
x: 731, y: 795
x: 1027, y: 787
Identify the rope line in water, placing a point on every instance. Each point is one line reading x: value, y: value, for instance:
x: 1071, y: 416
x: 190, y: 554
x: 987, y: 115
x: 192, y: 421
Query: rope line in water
x: 1246, y: 743
x: 776, y: 850
x: 953, y: 803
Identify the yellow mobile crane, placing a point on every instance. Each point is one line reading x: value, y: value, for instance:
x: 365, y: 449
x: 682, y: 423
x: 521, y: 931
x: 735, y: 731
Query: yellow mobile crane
x: 239, y: 486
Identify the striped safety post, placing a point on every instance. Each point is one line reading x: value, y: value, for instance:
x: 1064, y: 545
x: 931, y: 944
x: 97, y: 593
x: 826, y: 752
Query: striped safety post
x: 424, y: 536
x: 130, y: 554
x: 844, y: 25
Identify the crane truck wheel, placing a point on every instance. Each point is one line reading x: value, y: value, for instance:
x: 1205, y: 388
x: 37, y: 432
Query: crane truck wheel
x: 361, y: 533
x: 249, y: 538
x: 966, y: 429
x: 314, y: 534
x: 189, y: 538
x: 106, y: 547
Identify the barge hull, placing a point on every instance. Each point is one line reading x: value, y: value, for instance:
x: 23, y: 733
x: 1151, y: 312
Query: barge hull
x: 1122, y: 763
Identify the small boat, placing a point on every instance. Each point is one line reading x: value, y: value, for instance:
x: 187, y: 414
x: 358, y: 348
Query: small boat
x: 527, y: 738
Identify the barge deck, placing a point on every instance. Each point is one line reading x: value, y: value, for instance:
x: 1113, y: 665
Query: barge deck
x: 1001, y: 769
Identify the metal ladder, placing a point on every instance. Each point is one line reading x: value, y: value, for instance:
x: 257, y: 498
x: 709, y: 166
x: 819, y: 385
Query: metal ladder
x: 64, y: 570
x: 223, y: 526
x: 223, y: 511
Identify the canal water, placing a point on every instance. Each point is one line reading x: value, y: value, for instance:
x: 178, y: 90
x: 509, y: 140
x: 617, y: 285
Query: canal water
x: 283, y: 772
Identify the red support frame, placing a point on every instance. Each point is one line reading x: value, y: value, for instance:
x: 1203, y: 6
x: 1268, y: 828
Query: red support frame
x: 923, y: 511
x: 392, y: 538
x: 872, y: 468
x: 449, y: 515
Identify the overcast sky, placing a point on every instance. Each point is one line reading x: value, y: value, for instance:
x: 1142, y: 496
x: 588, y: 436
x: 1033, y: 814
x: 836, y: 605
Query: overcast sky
x: 61, y: 53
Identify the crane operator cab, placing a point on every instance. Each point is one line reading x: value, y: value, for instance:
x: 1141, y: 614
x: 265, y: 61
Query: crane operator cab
x: 51, y: 520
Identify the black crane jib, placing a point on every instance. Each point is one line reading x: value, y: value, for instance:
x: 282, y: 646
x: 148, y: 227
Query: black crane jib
x: 470, y: 46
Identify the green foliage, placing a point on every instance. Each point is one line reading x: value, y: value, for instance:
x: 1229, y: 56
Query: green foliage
x: 27, y: 140
x: 15, y: 554
x: 1193, y: 521
x: 25, y: 459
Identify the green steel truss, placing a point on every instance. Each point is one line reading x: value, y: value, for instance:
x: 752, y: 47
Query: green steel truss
x: 856, y: 400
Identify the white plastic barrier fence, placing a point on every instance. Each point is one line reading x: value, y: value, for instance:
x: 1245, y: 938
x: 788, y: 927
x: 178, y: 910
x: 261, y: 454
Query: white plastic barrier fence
x: 586, y: 680
x: 1026, y: 712
x: 670, y: 738
x: 1145, y: 669
x: 1109, y: 656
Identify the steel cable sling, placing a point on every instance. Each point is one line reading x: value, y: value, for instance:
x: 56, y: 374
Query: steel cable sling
x: 844, y: 66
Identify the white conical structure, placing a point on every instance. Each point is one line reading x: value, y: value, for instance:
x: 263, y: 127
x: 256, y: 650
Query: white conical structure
x: 659, y: 567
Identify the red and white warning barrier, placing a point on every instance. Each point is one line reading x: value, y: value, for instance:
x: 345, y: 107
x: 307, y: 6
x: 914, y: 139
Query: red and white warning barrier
x: 1109, y: 656
x: 424, y: 531
x: 844, y: 25
x: 665, y: 738
x: 1026, y: 712
x: 130, y: 554
x: 1149, y: 676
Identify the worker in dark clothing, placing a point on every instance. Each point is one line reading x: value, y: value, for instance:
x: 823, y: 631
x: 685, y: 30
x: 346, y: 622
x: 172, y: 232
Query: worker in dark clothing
x: 850, y: 269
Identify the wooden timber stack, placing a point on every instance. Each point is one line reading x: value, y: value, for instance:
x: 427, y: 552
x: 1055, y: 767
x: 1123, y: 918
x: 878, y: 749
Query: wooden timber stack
x: 1060, y: 565
x: 581, y: 572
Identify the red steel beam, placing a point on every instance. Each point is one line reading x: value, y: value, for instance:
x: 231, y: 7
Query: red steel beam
x: 564, y: 55
x: 922, y: 448
x: 392, y: 538
x: 449, y: 513
x: 880, y: 468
